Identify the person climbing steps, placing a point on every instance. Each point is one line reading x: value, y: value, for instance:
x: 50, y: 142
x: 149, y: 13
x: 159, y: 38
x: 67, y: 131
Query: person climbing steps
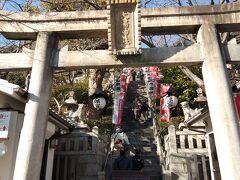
x: 137, y: 161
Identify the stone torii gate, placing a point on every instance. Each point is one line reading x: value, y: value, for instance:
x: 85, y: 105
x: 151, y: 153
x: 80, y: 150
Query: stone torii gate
x: 123, y: 23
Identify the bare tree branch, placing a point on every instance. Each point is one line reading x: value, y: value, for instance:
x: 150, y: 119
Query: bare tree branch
x: 148, y: 43
x: 165, y: 41
x: 190, y: 3
x: 179, y: 2
x: 58, y: 105
x: 18, y: 5
x: 146, y: 2
x: 94, y: 5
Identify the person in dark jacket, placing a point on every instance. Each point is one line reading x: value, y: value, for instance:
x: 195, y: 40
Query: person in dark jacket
x: 122, y: 162
x: 137, y: 107
x: 137, y: 161
x: 133, y: 75
x: 145, y: 109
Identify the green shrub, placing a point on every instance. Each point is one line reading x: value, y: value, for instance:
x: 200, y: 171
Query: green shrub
x: 17, y: 78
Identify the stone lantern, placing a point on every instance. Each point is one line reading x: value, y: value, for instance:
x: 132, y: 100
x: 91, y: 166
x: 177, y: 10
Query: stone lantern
x: 71, y: 104
x: 201, y: 100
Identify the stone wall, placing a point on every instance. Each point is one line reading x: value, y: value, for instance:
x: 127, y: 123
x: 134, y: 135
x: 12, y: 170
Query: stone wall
x: 184, y: 155
x: 79, y: 155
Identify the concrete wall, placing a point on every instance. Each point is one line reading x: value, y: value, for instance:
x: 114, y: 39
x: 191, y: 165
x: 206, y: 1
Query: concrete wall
x: 180, y: 152
x: 80, y: 156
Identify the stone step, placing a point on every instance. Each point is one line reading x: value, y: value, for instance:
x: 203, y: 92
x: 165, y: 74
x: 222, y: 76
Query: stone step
x: 147, y: 133
x: 144, y: 148
x: 154, y: 167
x: 133, y: 140
x: 150, y: 162
x: 140, y: 135
x: 135, y: 175
x: 153, y: 153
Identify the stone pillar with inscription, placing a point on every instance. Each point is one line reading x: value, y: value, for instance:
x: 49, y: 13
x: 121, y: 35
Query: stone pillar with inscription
x: 124, y: 27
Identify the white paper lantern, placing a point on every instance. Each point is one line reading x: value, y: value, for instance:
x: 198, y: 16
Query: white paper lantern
x: 170, y: 101
x: 99, y: 103
x: 3, y: 149
x: 147, y: 77
x: 151, y: 87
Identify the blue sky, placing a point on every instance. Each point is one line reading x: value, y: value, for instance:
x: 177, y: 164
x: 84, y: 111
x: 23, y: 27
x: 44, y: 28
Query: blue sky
x: 11, y: 6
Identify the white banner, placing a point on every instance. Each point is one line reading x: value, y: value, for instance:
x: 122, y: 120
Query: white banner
x: 4, y: 124
x: 115, y: 109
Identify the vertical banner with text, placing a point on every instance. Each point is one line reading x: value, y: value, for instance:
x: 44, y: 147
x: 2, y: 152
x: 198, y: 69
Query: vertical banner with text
x: 120, y: 107
x: 156, y: 89
x: 154, y: 72
x: 115, y: 109
x: 123, y: 80
x: 4, y: 124
x: 164, y: 110
x: 237, y: 104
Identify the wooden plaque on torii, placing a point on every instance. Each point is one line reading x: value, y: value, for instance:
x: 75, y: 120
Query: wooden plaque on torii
x: 124, y: 27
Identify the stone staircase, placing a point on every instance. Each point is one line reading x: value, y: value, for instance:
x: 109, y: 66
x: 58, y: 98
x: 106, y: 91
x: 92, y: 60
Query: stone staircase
x: 140, y: 136
x: 134, y: 175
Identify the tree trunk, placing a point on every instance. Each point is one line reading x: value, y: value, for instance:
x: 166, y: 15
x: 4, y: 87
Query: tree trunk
x: 95, y: 80
x: 95, y: 86
x: 193, y: 77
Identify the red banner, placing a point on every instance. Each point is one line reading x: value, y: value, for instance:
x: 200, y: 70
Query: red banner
x: 154, y: 72
x: 120, y: 107
x: 165, y: 114
x: 156, y: 89
x: 164, y: 110
x: 123, y: 83
x: 129, y: 79
x: 154, y: 68
x: 164, y: 89
x: 237, y: 104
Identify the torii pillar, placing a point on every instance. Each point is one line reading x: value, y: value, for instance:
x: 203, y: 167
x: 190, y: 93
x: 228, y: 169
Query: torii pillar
x: 31, y: 144
x: 220, y: 102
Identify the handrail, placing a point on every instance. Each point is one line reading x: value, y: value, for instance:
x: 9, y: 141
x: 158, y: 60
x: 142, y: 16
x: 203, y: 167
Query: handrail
x: 108, y: 151
x: 107, y: 156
